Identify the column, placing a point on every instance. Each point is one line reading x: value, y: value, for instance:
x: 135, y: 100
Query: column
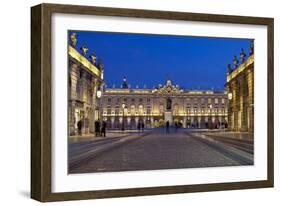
x: 206, y: 122
x: 184, y: 122
x: 152, y: 122
x: 94, y: 103
x: 137, y: 121
x: 129, y: 122
x: 71, y: 120
x: 112, y: 122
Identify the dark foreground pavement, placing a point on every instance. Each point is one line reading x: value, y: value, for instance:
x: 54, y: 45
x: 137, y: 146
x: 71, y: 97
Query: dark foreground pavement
x: 153, y: 150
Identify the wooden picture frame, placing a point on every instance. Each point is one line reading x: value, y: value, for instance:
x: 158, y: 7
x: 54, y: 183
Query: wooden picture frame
x: 41, y: 96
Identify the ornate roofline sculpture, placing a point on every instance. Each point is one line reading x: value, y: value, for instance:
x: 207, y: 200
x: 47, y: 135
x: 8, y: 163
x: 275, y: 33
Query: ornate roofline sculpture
x: 168, y: 88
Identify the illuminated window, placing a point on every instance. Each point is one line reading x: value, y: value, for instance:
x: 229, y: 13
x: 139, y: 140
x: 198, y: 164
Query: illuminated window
x: 133, y: 110
x: 109, y: 110
x: 209, y: 100
x: 117, y: 110
x: 222, y: 100
x: 140, y: 109
x: 216, y: 100
x: 148, y: 110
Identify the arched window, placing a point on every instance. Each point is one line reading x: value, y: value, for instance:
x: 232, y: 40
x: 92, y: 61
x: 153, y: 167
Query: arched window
x: 117, y: 110
x: 108, y: 110
x: 140, y: 110
x: 133, y: 110
x: 148, y: 110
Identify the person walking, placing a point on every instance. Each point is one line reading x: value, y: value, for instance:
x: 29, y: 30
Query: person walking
x: 139, y: 126
x: 167, y: 127
x: 103, y: 128
x: 97, y: 128
x: 79, y: 126
x: 142, y: 126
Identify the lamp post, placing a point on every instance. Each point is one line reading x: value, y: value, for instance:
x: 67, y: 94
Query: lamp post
x: 229, y: 96
x: 210, y: 106
x: 99, y: 93
x: 123, y: 123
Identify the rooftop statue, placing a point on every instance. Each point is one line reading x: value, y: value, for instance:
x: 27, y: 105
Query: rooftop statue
x: 73, y: 39
x: 251, y: 48
x: 242, y: 56
x: 84, y: 50
x: 93, y: 57
x: 124, y: 84
x: 235, y: 62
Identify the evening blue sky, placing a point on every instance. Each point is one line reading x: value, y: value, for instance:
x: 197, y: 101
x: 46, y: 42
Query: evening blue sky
x: 148, y: 59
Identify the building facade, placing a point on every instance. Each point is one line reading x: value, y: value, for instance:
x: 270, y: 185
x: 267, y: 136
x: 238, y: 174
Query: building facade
x: 85, y: 78
x: 168, y: 102
x: 240, y: 88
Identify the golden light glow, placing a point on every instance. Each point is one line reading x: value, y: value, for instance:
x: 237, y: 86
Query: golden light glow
x: 233, y: 74
x: 83, y: 60
x: 127, y: 91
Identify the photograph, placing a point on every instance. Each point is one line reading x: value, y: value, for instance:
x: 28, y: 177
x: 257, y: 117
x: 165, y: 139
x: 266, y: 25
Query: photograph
x: 140, y: 101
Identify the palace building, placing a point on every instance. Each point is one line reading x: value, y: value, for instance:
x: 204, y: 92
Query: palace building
x: 126, y: 107
x: 240, y: 88
x: 85, y: 78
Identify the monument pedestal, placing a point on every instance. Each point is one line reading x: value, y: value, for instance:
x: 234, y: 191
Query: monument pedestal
x: 168, y: 117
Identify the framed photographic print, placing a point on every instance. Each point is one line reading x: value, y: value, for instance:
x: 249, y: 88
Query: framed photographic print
x: 130, y: 102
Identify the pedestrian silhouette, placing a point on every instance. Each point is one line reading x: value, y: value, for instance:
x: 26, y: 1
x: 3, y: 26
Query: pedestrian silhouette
x: 142, y: 126
x: 97, y: 128
x: 139, y: 126
x: 79, y: 126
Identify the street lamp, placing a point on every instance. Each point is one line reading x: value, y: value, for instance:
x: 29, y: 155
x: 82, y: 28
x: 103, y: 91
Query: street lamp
x: 210, y: 106
x: 123, y: 123
x: 99, y: 93
x: 229, y: 96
